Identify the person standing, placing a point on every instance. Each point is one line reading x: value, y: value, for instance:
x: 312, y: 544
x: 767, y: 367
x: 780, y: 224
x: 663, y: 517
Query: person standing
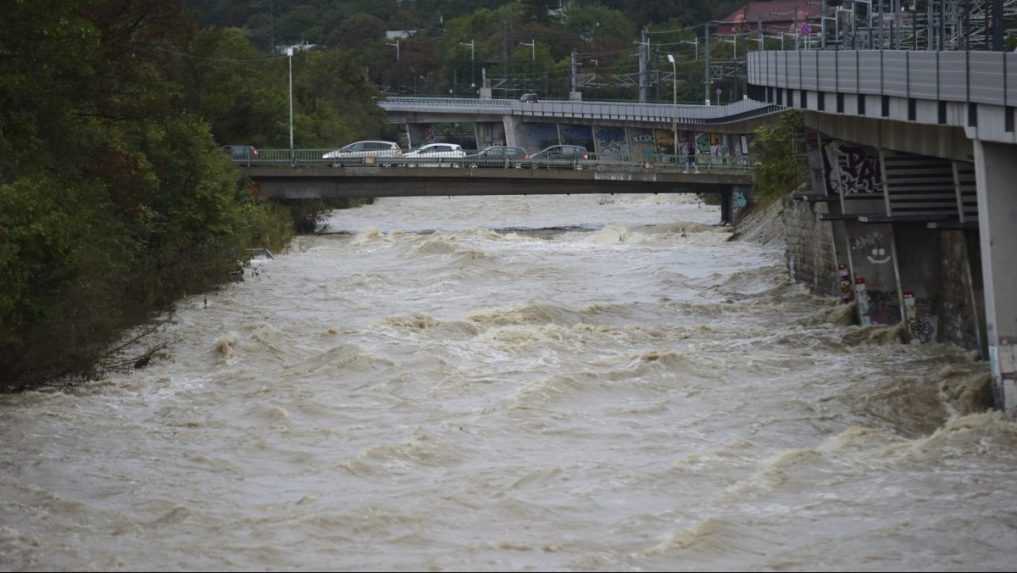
x: 690, y: 155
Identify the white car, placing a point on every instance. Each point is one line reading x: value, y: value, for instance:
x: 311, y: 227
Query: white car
x: 443, y: 152
x: 365, y: 149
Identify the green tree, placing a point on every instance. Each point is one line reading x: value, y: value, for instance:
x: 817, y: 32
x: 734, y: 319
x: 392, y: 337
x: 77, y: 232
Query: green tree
x: 779, y: 166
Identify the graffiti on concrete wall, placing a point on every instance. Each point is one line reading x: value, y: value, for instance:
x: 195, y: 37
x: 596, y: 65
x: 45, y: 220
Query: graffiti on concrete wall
x: 611, y: 143
x: 539, y: 136
x: 642, y: 145
x: 702, y: 143
x: 872, y: 246
x: 741, y: 200
x: 664, y: 140
x: 871, y: 254
x: 577, y: 135
x: 852, y: 169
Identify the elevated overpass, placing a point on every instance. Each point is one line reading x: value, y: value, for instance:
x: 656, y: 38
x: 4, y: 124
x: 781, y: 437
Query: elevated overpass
x: 914, y: 161
x: 403, y: 110
x: 623, y: 131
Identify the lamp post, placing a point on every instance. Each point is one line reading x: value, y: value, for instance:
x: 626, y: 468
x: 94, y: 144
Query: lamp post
x: 396, y: 46
x: 532, y: 44
x: 674, y: 64
x: 472, y: 45
x: 289, y: 53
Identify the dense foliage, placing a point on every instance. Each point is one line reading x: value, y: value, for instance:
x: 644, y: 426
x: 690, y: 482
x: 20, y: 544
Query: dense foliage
x: 779, y: 157
x: 115, y: 198
x: 438, y: 60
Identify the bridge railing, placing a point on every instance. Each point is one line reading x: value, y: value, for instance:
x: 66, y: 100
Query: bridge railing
x: 315, y: 158
x: 970, y: 77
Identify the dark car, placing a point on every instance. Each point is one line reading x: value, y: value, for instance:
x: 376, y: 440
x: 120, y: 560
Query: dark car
x: 529, y: 98
x: 496, y: 156
x: 562, y: 153
x: 241, y: 153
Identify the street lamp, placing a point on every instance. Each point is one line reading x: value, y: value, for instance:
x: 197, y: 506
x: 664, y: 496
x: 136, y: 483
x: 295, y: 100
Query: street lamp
x: 472, y: 45
x: 532, y: 44
x: 674, y: 64
x: 396, y: 46
x: 289, y: 54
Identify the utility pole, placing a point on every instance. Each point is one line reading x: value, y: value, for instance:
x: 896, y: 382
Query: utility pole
x: 997, y: 25
x: 822, y: 25
x: 706, y: 61
x: 644, y: 53
x: 572, y: 76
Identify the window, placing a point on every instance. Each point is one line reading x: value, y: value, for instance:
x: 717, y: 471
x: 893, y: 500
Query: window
x: 942, y: 112
x: 912, y: 109
x: 861, y: 104
x: 886, y: 107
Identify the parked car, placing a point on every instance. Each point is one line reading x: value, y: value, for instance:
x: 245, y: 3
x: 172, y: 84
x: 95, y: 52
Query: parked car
x: 241, y: 152
x: 365, y: 149
x: 496, y: 156
x: 444, y: 153
x: 561, y: 153
x: 529, y: 98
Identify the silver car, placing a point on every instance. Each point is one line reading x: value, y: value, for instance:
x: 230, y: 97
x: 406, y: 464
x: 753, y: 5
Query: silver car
x: 365, y: 149
x: 435, y: 154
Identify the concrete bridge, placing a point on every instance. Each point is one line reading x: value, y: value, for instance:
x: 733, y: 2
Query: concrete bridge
x: 299, y: 181
x: 913, y: 157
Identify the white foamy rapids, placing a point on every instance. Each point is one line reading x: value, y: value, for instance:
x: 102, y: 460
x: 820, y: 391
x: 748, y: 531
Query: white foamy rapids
x: 508, y: 383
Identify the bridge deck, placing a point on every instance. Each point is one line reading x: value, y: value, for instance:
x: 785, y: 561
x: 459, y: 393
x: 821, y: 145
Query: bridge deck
x: 300, y: 183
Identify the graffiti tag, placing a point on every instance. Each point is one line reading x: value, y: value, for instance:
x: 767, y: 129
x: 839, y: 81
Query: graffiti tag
x: 852, y: 169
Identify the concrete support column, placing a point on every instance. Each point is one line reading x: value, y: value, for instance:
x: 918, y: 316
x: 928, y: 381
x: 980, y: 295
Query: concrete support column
x: 512, y: 128
x: 489, y: 134
x: 726, y: 208
x: 417, y: 134
x: 995, y: 173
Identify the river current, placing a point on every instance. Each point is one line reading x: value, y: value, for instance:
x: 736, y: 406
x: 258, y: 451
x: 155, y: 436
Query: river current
x: 592, y: 383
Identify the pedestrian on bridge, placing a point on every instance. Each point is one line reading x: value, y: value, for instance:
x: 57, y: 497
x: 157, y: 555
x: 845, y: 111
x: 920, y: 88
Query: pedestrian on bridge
x: 690, y: 155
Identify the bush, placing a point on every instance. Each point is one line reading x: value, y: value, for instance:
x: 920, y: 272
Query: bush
x: 780, y: 166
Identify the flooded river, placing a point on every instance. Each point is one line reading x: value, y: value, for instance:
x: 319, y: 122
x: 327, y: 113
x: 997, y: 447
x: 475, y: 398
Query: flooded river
x: 600, y: 383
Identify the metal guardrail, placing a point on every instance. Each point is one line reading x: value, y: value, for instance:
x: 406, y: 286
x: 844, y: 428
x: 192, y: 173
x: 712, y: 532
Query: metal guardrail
x: 972, y: 77
x: 313, y: 158
x: 682, y: 114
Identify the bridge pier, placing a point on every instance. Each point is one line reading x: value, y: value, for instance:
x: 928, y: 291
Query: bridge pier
x: 734, y: 203
x: 995, y: 173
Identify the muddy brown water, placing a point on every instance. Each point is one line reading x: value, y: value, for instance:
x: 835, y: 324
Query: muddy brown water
x: 593, y: 383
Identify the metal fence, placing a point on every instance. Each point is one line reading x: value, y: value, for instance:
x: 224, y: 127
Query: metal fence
x: 976, y: 77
